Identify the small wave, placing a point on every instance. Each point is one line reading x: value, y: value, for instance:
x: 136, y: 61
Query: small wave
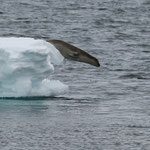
x: 132, y: 76
x: 146, y: 51
x: 138, y: 126
x: 144, y: 45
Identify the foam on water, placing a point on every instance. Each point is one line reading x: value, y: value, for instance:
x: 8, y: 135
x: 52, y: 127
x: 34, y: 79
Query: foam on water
x: 27, y: 66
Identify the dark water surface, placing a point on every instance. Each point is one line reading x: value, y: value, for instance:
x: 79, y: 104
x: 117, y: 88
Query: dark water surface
x: 107, y: 108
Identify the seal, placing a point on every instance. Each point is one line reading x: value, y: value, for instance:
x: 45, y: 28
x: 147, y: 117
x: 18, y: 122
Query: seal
x: 74, y: 53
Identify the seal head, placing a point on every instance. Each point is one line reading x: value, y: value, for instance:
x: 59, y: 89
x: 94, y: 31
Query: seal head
x: 73, y: 53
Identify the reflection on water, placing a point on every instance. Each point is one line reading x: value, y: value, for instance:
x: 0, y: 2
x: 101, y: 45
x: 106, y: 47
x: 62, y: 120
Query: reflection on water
x: 57, y: 122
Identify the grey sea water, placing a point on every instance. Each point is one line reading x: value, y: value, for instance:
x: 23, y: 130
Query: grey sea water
x: 106, y: 108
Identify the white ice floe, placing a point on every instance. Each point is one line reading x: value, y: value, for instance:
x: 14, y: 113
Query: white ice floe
x: 26, y: 65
